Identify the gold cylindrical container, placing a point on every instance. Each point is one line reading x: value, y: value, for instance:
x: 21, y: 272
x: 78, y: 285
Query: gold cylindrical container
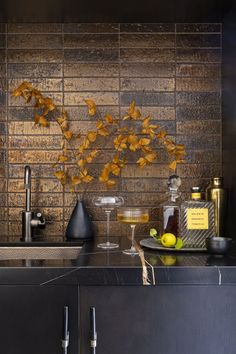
x: 216, y: 193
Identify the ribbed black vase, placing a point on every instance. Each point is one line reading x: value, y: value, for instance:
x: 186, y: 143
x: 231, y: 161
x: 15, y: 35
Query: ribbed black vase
x: 80, y: 226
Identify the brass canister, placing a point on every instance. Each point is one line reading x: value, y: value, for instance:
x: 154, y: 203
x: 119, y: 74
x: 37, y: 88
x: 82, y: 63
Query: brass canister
x: 215, y: 192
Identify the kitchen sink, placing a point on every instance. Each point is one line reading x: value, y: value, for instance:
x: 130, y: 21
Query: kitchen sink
x: 39, y: 252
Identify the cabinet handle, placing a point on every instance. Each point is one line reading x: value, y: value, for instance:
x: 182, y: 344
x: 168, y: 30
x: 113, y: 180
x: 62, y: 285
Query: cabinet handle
x: 65, y: 332
x: 93, y: 332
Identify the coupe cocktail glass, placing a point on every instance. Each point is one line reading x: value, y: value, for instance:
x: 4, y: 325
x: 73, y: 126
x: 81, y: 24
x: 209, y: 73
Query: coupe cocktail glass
x: 108, y: 204
x: 132, y: 216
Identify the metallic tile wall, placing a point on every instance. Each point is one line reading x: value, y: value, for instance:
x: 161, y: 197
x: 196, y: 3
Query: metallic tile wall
x: 172, y: 71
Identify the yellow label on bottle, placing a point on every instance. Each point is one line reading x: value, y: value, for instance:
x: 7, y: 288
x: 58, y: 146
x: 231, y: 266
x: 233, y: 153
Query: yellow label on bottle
x: 196, y: 195
x: 197, y: 219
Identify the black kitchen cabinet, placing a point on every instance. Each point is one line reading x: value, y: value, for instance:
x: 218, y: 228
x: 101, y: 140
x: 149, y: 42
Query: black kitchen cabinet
x: 160, y: 320
x: 32, y: 319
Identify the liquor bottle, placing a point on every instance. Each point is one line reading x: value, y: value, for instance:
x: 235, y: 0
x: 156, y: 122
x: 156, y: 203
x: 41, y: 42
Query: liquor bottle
x: 197, y: 220
x: 216, y: 193
x: 171, y: 209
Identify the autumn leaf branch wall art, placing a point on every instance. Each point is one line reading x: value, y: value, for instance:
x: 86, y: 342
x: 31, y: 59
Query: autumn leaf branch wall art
x: 130, y: 134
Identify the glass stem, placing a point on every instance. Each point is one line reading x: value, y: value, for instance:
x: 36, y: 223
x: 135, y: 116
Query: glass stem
x: 108, y: 212
x: 132, y: 237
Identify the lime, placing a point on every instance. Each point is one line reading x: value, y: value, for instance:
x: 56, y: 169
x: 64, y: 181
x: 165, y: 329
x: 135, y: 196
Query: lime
x: 153, y: 233
x: 168, y: 240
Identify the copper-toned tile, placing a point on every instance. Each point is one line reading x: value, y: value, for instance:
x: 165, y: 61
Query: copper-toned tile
x: 199, y: 170
x: 17, y: 171
x: 147, y: 55
x: 3, y: 170
x: 2, y: 56
x: 198, y: 113
x: 199, y: 70
x: 198, y: 84
x: 88, y: 55
x: 138, y: 84
x: 91, y: 40
x: 198, y: 27
x: 146, y: 40
x: 196, y: 142
x: 101, y: 98
x: 203, y: 156
x: 38, y: 199
x: 3, y: 199
x: 3, y: 114
x: 148, y: 98
x: 4, y: 229
x: 2, y: 41
x: 3, y: 185
x: 144, y: 185
x: 198, y: 55
x: 35, y: 56
x: 3, y: 141
x: 28, y: 128
x: 198, y: 40
x: 147, y: 70
x: 198, y: 98
x: 31, y: 41
x: 147, y: 27
x: 155, y: 170
x: 91, y: 70
x: 57, y: 97
x: 3, y: 128
x: 156, y: 113
x: 28, y: 156
x: 50, y: 213
x: 3, y: 156
x: 91, y: 27
x: 38, y: 186
x: 198, y: 127
x: 3, y: 214
x: 81, y: 112
x: 34, y: 27
x: 35, y: 143
x: 34, y: 70
x: 91, y: 84
x: 42, y: 84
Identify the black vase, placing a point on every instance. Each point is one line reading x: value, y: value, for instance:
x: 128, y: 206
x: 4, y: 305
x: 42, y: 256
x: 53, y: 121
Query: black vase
x: 80, y: 226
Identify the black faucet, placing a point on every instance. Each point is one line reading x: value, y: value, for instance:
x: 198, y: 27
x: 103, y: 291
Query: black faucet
x: 29, y: 219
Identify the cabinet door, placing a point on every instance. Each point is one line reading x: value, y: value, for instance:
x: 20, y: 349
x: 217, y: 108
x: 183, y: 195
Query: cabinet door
x: 31, y: 319
x: 160, y: 319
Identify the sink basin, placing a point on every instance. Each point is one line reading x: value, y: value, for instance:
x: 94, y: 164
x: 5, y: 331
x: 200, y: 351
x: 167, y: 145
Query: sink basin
x: 41, y: 252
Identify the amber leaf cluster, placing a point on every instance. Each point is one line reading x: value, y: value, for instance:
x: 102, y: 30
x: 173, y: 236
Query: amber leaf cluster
x: 130, y: 134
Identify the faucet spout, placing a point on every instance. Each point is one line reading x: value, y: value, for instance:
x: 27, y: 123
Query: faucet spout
x: 30, y: 221
x: 27, y: 184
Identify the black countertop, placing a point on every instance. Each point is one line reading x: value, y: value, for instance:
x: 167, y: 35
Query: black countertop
x: 98, y: 267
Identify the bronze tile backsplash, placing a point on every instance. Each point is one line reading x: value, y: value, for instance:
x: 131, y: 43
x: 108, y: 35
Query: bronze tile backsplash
x: 172, y: 71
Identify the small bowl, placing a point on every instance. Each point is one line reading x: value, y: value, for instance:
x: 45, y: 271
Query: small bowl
x: 218, y: 245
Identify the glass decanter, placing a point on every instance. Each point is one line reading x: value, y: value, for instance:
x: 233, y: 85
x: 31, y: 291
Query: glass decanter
x: 171, y: 208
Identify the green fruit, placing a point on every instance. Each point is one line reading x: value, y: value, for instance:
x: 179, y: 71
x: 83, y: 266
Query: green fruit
x: 153, y: 232
x: 179, y: 243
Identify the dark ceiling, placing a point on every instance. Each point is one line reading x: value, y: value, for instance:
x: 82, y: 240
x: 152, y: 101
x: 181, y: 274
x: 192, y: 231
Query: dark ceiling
x: 115, y: 11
